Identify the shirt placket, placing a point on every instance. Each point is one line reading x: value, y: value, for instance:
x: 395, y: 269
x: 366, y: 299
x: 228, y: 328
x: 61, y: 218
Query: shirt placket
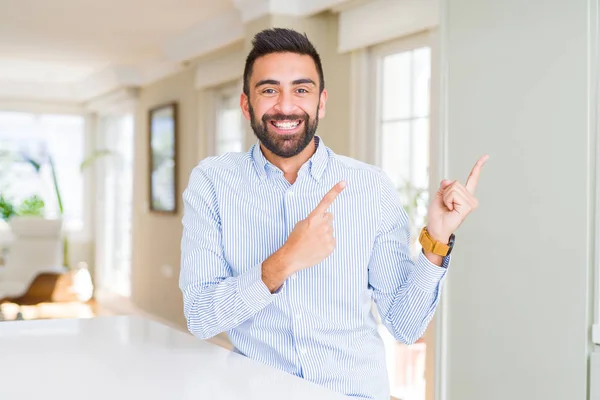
x: 292, y: 203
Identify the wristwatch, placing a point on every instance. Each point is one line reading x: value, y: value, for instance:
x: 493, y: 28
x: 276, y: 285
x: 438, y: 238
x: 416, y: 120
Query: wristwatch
x: 431, y: 245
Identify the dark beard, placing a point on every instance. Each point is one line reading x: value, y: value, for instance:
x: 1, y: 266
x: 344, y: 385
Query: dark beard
x: 284, y: 146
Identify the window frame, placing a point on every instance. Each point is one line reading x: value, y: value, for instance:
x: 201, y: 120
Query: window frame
x: 377, y: 54
x: 85, y: 233
x: 365, y: 94
x: 231, y: 88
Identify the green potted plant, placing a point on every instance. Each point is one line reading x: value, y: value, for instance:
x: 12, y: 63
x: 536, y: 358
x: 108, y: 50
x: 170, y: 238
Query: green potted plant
x: 19, y: 219
x: 7, y: 211
x: 87, y: 162
x: 7, y: 208
x: 32, y: 207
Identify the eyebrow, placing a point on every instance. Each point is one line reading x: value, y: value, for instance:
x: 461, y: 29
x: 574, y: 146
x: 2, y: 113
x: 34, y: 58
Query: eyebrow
x: 274, y: 82
x: 267, y: 82
x: 303, y: 81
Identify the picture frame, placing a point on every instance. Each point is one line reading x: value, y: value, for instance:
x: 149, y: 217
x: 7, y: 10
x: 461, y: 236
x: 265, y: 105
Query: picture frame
x: 163, y: 158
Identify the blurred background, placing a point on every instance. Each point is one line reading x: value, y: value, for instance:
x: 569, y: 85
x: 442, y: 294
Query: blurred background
x: 105, y: 108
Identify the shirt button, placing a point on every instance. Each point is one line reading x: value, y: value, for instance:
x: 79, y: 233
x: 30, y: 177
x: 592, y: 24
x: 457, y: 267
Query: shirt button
x: 302, y: 351
x: 290, y: 193
x: 294, y: 276
x: 298, y: 316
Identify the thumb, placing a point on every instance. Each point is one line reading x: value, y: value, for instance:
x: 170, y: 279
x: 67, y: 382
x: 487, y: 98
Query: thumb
x: 445, y: 183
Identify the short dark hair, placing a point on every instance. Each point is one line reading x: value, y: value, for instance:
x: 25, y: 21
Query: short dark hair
x: 281, y: 40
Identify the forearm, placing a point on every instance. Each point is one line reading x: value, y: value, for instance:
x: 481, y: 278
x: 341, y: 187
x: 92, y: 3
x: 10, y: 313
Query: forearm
x: 434, y: 259
x: 276, y: 269
x: 222, y: 306
x: 411, y: 313
x: 414, y: 303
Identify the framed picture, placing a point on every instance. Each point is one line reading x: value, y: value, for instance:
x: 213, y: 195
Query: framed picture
x: 163, y: 158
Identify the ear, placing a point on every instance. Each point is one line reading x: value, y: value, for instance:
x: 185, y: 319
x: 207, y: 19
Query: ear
x: 323, y: 100
x: 244, y: 103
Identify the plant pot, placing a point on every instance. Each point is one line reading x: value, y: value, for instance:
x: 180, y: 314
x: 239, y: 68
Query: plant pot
x: 35, y: 227
x: 37, y: 241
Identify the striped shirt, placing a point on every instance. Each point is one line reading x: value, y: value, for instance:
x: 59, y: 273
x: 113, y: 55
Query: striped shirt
x: 239, y: 209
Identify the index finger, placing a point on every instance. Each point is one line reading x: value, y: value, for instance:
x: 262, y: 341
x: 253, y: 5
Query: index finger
x: 328, y: 199
x: 474, y: 175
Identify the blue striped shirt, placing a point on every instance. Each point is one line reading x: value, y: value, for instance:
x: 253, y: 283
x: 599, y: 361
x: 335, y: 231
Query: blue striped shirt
x: 239, y: 209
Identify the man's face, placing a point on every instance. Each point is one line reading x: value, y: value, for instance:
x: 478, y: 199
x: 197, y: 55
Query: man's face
x: 284, y: 105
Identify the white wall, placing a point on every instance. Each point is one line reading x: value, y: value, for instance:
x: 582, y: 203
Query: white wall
x: 377, y: 21
x: 518, y: 301
x: 595, y: 377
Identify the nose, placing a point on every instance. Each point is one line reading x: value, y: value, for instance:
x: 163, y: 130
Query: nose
x: 285, y: 104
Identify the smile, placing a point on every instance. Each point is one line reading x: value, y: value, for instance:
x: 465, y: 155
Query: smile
x: 286, y: 125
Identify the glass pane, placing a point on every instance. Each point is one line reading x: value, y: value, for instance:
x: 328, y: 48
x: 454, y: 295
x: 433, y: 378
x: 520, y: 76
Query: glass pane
x: 115, y: 202
x: 420, y: 153
x: 65, y: 141
x: 395, y: 151
x: 410, y: 371
x: 28, y: 136
x: 230, y: 146
x: 16, y: 122
x: 404, y: 156
x: 230, y: 130
x: 17, y: 134
x: 124, y: 206
x: 396, y: 86
x: 231, y: 101
x: 421, y: 80
x: 230, y: 124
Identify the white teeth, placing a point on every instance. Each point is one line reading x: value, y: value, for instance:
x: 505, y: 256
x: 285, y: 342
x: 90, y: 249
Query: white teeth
x: 286, y: 125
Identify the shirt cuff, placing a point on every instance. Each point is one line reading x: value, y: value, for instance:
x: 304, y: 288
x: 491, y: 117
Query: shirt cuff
x: 253, y: 290
x: 427, y: 275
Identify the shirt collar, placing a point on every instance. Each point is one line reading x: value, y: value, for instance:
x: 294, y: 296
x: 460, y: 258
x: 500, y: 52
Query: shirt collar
x: 318, y: 161
x: 316, y: 164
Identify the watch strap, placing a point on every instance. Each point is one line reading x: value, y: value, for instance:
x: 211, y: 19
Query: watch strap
x: 431, y: 245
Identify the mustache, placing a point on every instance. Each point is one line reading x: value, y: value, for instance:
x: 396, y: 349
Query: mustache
x: 282, y: 117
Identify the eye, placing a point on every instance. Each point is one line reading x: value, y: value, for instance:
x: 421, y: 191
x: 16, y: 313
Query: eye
x: 269, y: 91
x: 302, y: 90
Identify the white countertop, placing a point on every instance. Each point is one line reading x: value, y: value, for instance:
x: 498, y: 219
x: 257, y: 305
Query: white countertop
x: 128, y: 357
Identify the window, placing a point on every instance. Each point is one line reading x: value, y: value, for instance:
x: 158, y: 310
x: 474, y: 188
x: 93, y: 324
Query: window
x: 115, y: 203
x: 403, y: 128
x: 44, y: 138
x: 401, y: 73
x: 229, y: 121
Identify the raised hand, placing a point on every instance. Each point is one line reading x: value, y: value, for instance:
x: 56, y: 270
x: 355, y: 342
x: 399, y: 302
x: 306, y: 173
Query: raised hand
x: 452, y: 203
x: 311, y: 240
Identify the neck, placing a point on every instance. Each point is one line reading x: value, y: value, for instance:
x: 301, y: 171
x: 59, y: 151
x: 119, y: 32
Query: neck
x: 290, y: 166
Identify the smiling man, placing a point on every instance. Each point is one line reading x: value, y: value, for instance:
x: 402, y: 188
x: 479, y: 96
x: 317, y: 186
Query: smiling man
x: 265, y: 260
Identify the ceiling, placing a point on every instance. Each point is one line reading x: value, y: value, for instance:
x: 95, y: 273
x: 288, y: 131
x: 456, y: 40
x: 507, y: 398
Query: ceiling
x: 76, y: 50
x: 68, y: 40
x: 73, y: 50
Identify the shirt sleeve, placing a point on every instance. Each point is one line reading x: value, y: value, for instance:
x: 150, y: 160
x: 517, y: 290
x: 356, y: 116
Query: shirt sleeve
x: 405, y: 291
x: 214, y: 300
